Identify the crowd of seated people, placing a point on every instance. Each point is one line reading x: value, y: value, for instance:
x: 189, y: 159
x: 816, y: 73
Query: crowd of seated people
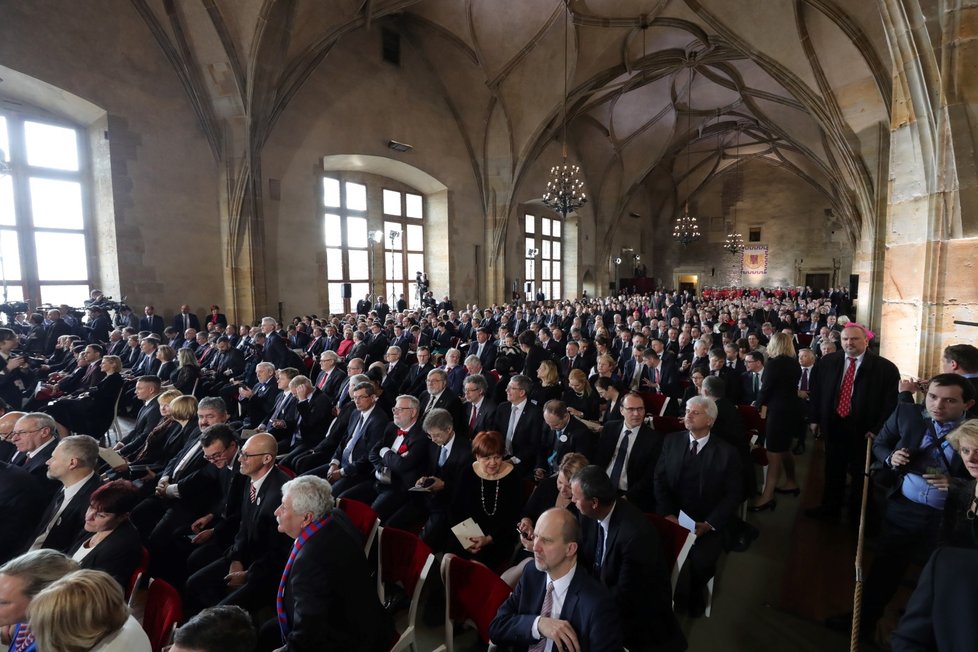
x: 483, y: 417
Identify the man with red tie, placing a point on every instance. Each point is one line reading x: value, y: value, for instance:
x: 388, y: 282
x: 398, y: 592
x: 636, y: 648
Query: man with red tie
x: 852, y: 391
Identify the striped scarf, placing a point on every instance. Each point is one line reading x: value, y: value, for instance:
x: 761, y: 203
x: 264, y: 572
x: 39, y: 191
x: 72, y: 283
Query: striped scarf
x: 308, y: 531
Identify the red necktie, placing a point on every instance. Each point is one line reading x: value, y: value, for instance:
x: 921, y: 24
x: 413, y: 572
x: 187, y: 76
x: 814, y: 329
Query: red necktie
x: 472, y: 419
x: 24, y: 638
x: 322, y: 380
x: 252, y: 492
x: 845, y: 393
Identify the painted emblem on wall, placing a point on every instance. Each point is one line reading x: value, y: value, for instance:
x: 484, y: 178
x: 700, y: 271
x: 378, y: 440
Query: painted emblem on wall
x: 754, y: 260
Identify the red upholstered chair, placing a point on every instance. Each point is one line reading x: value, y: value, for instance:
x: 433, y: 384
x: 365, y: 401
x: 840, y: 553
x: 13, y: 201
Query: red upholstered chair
x: 136, y: 577
x: 753, y: 422
x: 677, y: 541
x: 668, y: 424
x: 162, y: 614
x: 473, y: 593
x: 364, y: 518
x: 404, y: 559
x: 655, y: 404
x: 286, y: 470
x: 804, y: 339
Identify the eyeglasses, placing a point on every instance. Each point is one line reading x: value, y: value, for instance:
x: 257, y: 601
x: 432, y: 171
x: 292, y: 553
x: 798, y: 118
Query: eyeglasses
x: 250, y: 455
x: 401, y: 409
x: 216, y: 456
x: 21, y: 433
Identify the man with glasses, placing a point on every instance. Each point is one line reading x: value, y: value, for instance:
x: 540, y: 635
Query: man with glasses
x: 628, y: 450
x: 257, y: 402
x: 330, y: 378
x: 698, y: 484
x: 34, y: 437
x: 522, y: 423
x: 247, y: 575
x: 351, y: 462
x: 414, y: 383
x: 439, y: 396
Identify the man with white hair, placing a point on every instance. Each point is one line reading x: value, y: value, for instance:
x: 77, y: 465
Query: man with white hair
x: 325, y: 598
x: 276, y: 351
x: 698, y: 476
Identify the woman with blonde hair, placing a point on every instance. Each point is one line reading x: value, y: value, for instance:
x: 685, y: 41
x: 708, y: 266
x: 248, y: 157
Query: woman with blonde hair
x: 187, y: 373
x: 85, y: 611
x: 581, y: 399
x: 783, y: 409
x: 959, y: 529
x: 548, y: 385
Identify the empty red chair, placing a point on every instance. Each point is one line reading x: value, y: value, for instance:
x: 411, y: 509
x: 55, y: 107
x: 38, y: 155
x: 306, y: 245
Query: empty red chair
x: 473, y: 593
x: 364, y: 518
x: 668, y: 424
x: 655, y: 404
x: 404, y: 559
x: 136, y: 577
x: 162, y: 614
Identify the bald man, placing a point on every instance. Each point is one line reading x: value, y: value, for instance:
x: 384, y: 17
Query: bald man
x: 7, y: 421
x: 21, y: 501
x: 248, y: 573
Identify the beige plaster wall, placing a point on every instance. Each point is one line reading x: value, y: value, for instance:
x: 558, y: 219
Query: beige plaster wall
x: 163, y: 175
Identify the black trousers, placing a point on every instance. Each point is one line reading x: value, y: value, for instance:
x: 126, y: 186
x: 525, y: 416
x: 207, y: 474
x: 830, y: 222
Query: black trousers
x: 700, y: 566
x: 910, y: 533
x: 845, y: 454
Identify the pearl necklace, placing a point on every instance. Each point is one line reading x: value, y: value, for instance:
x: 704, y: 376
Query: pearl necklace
x: 482, y: 496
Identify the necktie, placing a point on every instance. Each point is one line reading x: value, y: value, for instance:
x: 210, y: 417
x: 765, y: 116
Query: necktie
x: 619, y: 464
x: 545, y: 612
x: 442, y: 457
x: 348, y: 451
x: 514, y: 417
x: 252, y: 493
x: 186, y: 322
x: 431, y: 404
x: 757, y: 383
x: 845, y: 393
x: 693, y: 447
x: 472, y: 419
x: 21, y: 459
x: 322, y: 380
x: 637, y: 377
x: 599, y: 551
x: 804, y: 379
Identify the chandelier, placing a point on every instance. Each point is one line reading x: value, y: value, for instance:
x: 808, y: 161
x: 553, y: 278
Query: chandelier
x: 565, y: 190
x: 734, y: 243
x: 685, y: 229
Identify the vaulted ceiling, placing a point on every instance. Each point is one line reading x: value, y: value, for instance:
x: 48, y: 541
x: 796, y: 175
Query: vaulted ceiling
x: 663, y: 95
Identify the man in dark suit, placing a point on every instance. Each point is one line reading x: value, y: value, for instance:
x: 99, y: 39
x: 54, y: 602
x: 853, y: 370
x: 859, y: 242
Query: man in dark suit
x: 275, y: 350
x: 148, y: 393
x: 35, y: 437
x: 20, y: 503
x: 750, y: 380
x: 185, y: 319
x: 853, y: 391
x: 152, y: 322
x: 962, y: 359
x: 247, y: 574
x: 621, y: 550
x: 331, y: 377
x: 533, y: 352
x: 522, y: 423
x: 55, y: 329
x: 484, y: 348
x: 938, y: 614
x: 351, y: 462
x: 285, y: 413
x: 628, y: 451
x: 363, y: 306
x: 556, y: 599
x: 328, y: 600
x: 572, y: 360
x: 729, y: 376
x: 99, y: 325
x: 661, y: 374
x: 698, y: 475
x: 479, y: 411
x: 72, y: 464
x: 912, y: 445
x: 377, y: 343
x: 439, y: 396
x: 14, y: 371
x: 315, y: 413
x: 414, y: 383
x: 257, y: 402
x: 563, y: 434
x: 397, y: 371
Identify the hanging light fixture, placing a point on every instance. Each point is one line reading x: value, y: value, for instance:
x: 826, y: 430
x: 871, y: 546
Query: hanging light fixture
x: 735, y: 241
x: 685, y: 229
x: 565, y: 190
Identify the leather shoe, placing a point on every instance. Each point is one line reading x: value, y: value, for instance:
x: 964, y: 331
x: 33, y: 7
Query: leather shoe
x: 769, y: 505
x: 823, y: 513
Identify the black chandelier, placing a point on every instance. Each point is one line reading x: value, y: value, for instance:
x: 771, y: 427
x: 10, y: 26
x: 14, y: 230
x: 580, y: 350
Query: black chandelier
x: 565, y: 190
x: 735, y: 241
x: 685, y: 230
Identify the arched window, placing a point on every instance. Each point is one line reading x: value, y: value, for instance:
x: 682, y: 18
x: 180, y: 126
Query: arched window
x: 374, y: 229
x: 43, y: 210
x: 543, y: 240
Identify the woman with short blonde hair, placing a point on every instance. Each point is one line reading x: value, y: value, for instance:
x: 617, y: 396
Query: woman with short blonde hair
x: 85, y: 610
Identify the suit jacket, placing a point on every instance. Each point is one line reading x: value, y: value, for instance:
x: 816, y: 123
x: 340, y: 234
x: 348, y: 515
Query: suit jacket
x: 394, y: 379
x: 405, y: 468
x: 333, y: 383
x: 258, y: 545
x: 720, y: 481
x: 489, y: 353
x: 37, y: 466
x: 20, y: 502
x: 55, y: 329
x: 575, y: 438
x: 71, y: 522
x: 315, y: 415
x: 329, y: 599
x: 484, y: 419
x: 588, y: 607
x: 153, y: 323
x: 258, y: 408
x: 646, y: 448
x: 414, y: 384
x: 747, y: 394
x: 275, y: 350
x: 874, y: 394
x: 450, y: 402
x: 526, y: 435
x: 181, y: 327
x: 635, y: 572
x: 373, y: 429
x: 565, y: 365
x: 937, y: 616
x: 118, y: 554
x: 731, y: 383
x: 534, y: 357
x: 459, y: 459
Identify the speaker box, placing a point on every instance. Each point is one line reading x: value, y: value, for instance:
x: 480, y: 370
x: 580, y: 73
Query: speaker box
x: 346, y: 291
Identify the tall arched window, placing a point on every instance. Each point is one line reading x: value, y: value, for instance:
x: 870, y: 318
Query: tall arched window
x: 374, y: 229
x: 43, y: 210
x: 543, y: 239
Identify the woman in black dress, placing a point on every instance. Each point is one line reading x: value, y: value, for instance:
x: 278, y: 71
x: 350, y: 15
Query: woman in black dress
x: 581, y: 399
x: 784, y: 411
x: 547, y: 387
x: 491, y: 494
x: 186, y: 375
